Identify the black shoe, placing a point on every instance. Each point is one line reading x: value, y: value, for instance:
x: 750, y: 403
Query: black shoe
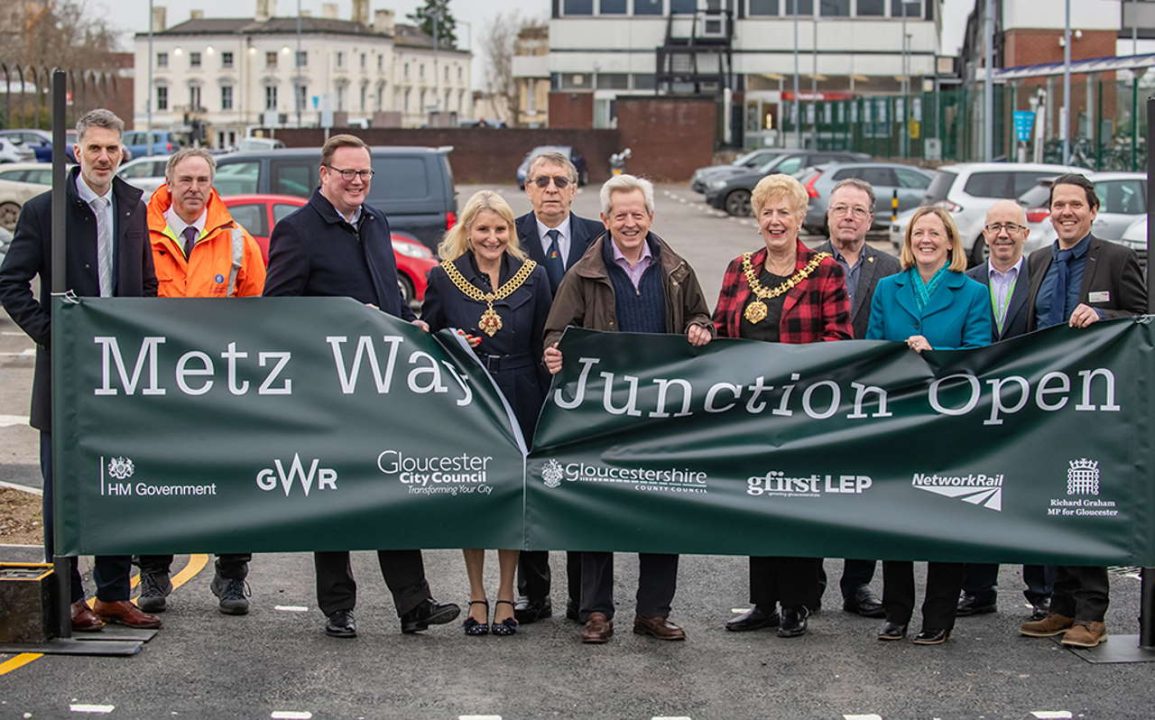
x: 756, y: 618
x: 864, y: 602
x: 892, y: 631
x: 527, y: 611
x: 340, y: 625
x: 154, y: 589
x: 793, y: 622
x: 931, y: 637
x: 429, y: 612
x: 572, y: 612
x: 969, y: 604
x: 233, y: 595
x: 1040, y: 611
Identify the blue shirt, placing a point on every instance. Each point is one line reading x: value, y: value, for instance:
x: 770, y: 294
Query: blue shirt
x: 852, y: 273
x: 1075, y: 269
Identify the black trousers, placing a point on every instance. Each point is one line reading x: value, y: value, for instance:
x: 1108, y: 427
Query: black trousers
x: 855, y: 574
x: 533, y: 576
x: 404, y: 573
x: 789, y: 581
x: 982, y: 580
x: 657, y: 583
x: 233, y: 566
x: 1081, y: 593
x: 111, y: 572
x: 943, y: 583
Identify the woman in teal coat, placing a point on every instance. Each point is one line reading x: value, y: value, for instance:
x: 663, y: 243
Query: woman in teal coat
x: 931, y: 305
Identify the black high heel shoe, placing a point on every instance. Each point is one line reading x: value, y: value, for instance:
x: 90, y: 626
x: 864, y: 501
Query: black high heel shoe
x: 507, y: 626
x: 473, y: 627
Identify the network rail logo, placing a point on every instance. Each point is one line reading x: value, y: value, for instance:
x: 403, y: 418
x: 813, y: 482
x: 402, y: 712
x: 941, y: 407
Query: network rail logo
x: 974, y: 488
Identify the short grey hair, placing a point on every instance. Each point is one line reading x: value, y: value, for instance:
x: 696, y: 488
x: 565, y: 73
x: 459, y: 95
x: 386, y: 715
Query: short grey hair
x: 181, y: 155
x: 552, y: 158
x: 626, y: 183
x: 101, y: 118
x: 857, y: 184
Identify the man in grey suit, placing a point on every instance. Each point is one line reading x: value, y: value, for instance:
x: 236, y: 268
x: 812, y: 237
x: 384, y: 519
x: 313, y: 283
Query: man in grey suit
x: 556, y: 238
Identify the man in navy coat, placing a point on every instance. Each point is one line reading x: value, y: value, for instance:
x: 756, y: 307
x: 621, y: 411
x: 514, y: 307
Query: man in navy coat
x: 556, y: 238
x: 336, y: 246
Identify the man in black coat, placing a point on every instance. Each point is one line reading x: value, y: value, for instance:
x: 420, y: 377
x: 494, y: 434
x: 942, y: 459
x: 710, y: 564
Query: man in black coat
x: 556, y: 238
x: 1079, y: 280
x: 336, y: 246
x: 107, y: 255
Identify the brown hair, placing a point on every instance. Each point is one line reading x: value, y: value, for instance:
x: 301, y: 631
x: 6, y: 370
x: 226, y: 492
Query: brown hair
x: 339, y: 141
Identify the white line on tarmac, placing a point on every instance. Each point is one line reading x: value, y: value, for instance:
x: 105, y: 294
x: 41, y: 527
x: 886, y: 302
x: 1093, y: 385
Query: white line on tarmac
x: 671, y: 717
x: 291, y: 715
x: 7, y: 420
x: 99, y: 709
x: 18, y: 486
x: 478, y: 717
x: 291, y: 608
x: 1051, y: 715
x: 862, y: 717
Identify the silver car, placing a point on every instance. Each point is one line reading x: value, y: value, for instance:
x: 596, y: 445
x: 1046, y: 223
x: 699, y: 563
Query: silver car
x: 889, y: 180
x: 1122, y: 201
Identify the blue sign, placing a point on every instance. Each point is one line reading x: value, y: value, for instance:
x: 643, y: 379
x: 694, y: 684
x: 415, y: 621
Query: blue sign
x: 1024, y: 123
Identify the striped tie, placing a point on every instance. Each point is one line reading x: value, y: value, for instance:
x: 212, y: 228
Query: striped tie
x: 103, y: 246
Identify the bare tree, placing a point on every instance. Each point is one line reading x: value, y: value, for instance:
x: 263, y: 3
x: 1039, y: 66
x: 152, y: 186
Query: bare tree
x: 57, y: 33
x: 498, y: 46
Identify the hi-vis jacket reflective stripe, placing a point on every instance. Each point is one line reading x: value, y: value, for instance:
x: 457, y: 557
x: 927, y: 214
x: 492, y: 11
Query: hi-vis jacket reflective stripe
x: 225, y: 261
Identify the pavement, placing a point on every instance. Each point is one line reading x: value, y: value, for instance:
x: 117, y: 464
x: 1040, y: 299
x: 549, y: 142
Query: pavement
x: 277, y: 663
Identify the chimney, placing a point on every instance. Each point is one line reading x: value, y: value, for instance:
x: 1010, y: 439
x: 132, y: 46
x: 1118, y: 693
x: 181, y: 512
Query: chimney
x: 264, y: 10
x: 383, y: 21
x: 329, y: 10
x: 196, y: 14
x: 361, y: 11
x: 159, y: 18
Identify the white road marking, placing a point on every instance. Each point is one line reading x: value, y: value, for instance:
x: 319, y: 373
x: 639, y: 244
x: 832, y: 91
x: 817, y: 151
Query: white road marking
x: 671, y: 717
x: 23, y: 488
x: 10, y: 420
x: 98, y: 709
x: 1051, y: 715
x: 13, y: 333
x: 291, y: 715
x: 862, y: 717
x: 291, y: 608
x: 478, y: 717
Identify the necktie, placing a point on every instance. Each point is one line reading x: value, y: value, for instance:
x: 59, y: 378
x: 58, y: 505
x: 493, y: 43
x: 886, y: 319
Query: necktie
x: 103, y: 246
x: 190, y: 239
x: 1057, y: 312
x: 554, y: 265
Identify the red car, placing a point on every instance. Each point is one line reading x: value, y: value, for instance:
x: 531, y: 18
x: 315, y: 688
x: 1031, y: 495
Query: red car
x: 259, y: 213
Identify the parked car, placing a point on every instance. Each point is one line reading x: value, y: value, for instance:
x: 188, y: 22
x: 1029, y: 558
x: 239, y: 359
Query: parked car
x: 910, y: 184
x: 1122, y: 201
x: 259, y: 143
x: 732, y: 194
x: 574, y: 156
x: 164, y: 142
x: 14, y: 151
x: 5, y: 241
x: 35, y: 172
x: 39, y: 141
x: 967, y: 191
x: 743, y: 163
x: 1135, y: 237
x: 412, y: 185
x: 13, y: 195
x: 146, y: 173
x: 260, y: 213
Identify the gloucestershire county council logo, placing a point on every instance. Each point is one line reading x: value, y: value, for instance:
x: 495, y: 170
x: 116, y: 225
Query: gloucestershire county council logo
x: 973, y: 488
x: 1083, y: 477
x: 121, y: 468
x: 552, y: 474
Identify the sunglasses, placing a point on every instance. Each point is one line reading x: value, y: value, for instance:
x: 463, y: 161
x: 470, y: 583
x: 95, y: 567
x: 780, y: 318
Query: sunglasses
x: 559, y: 181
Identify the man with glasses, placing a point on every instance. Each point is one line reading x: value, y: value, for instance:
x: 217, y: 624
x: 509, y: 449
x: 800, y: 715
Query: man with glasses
x: 1005, y: 274
x: 556, y: 238
x: 199, y: 251
x: 337, y: 246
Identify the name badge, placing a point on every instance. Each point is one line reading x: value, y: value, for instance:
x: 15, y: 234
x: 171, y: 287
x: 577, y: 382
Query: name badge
x: 1100, y: 296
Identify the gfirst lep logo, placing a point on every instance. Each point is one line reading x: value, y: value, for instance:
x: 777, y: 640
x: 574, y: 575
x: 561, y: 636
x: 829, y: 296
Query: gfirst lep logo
x: 296, y: 474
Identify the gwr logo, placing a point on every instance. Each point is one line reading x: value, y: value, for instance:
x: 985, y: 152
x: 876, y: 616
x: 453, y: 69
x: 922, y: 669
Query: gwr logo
x: 269, y: 478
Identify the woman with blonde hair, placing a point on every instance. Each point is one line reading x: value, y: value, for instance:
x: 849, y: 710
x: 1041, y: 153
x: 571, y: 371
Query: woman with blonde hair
x: 490, y: 292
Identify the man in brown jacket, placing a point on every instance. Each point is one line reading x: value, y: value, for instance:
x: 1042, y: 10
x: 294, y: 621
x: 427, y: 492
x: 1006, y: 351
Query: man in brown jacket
x: 629, y: 280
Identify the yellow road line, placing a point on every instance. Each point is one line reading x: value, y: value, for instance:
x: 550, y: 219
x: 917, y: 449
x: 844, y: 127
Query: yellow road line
x: 196, y: 563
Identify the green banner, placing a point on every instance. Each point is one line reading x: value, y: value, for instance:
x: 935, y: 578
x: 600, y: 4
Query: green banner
x: 288, y: 424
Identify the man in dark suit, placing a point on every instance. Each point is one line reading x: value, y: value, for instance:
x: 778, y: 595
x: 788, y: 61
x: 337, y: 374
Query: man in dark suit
x: 336, y: 246
x: 1079, y: 281
x: 1005, y: 273
x: 849, y: 215
x: 556, y: 238
x: 107, y: 255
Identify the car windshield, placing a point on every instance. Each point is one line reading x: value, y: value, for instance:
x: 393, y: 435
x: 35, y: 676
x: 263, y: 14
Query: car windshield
x: 939, y: 187
x: 1038, y: 196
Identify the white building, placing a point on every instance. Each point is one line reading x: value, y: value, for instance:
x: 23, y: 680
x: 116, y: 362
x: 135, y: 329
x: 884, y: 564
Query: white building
x: 232, y: 74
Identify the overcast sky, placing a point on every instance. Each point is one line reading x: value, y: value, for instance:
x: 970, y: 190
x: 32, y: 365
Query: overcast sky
x: 472, y: 15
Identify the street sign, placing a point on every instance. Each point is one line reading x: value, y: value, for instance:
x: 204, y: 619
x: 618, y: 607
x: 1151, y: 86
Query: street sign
x: 1024, y: 123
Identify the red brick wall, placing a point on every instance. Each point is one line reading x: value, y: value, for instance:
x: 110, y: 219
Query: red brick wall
x: 571, y: 109
x: 669, y: 137
x: 1031, y: 47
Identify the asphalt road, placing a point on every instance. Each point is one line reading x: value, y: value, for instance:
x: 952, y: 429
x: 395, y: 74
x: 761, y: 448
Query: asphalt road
x: 276, y: 662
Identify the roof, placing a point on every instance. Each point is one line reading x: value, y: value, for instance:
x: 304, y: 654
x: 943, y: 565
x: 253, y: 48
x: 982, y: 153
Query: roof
x: 1090, y: 65
x: 272, y: 26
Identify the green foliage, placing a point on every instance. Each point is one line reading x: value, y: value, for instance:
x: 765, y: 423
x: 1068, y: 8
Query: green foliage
x: 436, y: 13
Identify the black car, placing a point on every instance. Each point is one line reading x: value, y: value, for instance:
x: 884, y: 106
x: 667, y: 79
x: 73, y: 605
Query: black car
x: 732, y: 194
x: 743, y: 163
x: 413, y: 186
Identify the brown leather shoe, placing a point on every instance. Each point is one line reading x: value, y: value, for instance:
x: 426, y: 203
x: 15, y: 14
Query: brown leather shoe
x: 122, y: 612
x: 83, y: 619
x: 1051, y: 625
x: 598, y: 629
x: 658, y: 627
x: 1085, y: 635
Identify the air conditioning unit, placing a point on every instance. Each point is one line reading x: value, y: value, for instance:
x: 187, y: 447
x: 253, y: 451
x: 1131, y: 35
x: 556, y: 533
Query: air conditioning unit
x: 712, y: 26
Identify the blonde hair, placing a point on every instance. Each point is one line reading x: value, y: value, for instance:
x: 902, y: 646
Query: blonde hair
x: 779, y: 185
x: 958, y: 258
x: 456, y: 241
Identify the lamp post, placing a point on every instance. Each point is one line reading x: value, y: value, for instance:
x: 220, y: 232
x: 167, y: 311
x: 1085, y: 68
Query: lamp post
x: 299, y: 90
x: 1066, y: 111
x: 148, y: 94
x: 797, y: 103
x: 989, y: 83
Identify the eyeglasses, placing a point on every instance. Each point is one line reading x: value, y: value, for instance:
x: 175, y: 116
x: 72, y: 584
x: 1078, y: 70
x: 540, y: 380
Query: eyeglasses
x: 857, y: 211
x: 1011, y: 228
x: 559, y: 181
x: 348, y: 175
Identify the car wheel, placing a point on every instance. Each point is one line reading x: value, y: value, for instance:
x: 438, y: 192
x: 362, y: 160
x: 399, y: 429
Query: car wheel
x: 406, y: 286
x: 979, y: 252
x: 738, y: 202
x: 9, y: 212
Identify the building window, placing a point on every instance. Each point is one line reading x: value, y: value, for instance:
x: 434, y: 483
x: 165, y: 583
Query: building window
x: 763, y: 7
x: 226, y: 97
x: 301, y: 96
x: 270, y: 97
x: 613, y: 81
x: 683, y: 6
x: 609, y: 7
x: 648, y: 7
x: 380, y: 63
x: 421, y: 71
x: 363, y: 61
x: 405, y: 105
x: 340, y: 59
x: 270, y: 59
x: 834, y: 8
x: 460, y: 74
x: 194, y: 59
x: 162, y: 59
x: 406, y: 71
x: 913, y: 8
x: 578, y: 7
x: 340, y: 98
x: 162, y: 97
x: 805, y: 7
x: 226, y: 60
x: 574, y: 81
x: 194, y: 97
x: 871, y: 8
x: 302, y: 58
x: 364, y: 97
x: 446, y: 73
x: 645, y: 81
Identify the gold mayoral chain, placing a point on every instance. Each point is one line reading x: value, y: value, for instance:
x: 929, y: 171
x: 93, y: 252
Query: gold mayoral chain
x: 756, y: 311
x: 490, y: 321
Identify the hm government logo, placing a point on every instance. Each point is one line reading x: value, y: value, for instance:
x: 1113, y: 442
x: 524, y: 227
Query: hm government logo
x: 1083, y: 477
x: 973, y: 488
x: 121, y: 468
x: 552, y: 474
x: 296, y: 473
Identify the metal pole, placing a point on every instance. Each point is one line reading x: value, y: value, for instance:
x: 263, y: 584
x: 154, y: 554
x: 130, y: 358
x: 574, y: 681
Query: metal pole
x: 904, y: 86
x: 436, y: 77
x: 989, y: 84
x: 797, y: 104
x: 1134, y: 87
x: 814, y: 78
x: 298, y: 91
x: 1065, y: 113
x: 148, y: 94
x: 1147, y: 592
x: 61, y: 566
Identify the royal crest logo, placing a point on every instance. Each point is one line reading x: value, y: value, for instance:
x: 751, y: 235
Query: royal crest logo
x: 121, y: 468
x: 1082, y: 477
x: 552, y: 474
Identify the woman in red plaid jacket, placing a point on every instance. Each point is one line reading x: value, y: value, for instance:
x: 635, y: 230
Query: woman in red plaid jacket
x: 784, y: 293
